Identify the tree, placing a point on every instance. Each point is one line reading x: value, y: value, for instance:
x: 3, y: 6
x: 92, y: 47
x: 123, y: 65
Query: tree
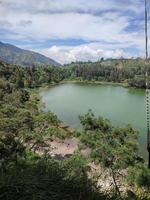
x: 140, y: 176
x: 114, y: 148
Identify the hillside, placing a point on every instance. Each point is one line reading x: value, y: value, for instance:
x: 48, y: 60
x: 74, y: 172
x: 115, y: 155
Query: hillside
x: 42, y: 159
x: 130, y: 72
x: 14, y: 55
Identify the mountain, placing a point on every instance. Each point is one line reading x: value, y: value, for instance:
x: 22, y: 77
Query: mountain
x: 14, y: 55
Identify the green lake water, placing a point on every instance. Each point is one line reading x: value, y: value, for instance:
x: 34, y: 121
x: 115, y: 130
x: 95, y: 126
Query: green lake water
x: 118, y: 104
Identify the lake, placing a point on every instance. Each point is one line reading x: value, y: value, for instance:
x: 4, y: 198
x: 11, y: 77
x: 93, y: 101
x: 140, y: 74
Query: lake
x: 118, y: 104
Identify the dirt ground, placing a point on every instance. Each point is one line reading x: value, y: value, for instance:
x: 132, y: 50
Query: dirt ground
x: 68, y: 147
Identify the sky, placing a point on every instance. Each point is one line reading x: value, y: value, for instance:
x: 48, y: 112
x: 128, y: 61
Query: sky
x: 75, y: 30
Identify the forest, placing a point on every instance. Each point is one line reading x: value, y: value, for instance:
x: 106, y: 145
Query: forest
x: 26, y: 173
x: 130, y: 72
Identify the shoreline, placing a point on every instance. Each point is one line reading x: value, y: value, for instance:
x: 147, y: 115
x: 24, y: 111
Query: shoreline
x: 123, y: 84
x: 96, y: 83
x: 47, y: 87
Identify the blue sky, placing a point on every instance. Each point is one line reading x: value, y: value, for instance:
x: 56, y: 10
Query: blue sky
x: 70, y: 30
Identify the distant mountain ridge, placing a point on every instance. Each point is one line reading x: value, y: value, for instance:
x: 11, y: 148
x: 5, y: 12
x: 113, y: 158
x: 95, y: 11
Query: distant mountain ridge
x: 14, y: 55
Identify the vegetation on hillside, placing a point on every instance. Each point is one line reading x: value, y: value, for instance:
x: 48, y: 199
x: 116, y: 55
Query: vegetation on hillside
x: 128, y: 71
x: 31, y: 77
x: 26, y: 174
x: 15, y: 55
x: 116, y: 149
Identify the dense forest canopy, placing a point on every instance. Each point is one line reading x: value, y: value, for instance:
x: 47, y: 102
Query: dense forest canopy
x: 129, y: 71
x: 26, y: 173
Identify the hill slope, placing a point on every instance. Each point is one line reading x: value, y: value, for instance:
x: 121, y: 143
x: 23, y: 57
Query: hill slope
x: 14, y: 55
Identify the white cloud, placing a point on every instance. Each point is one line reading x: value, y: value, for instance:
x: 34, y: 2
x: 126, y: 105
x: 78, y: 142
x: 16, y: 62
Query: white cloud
x: 72, y: 5
x: 64, y: 54
x: 64, y: 21
x: 107, y: 27
x: 43, y: 20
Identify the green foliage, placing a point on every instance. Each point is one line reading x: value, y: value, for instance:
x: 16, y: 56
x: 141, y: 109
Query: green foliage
x: 23, y: 174
x: 113, y: 147
x: 46, y: 118
x: 10, y: 151
x: 131, y: 71
x: 26, y: 175
x: 128, y: 71
x: 32, y: 76
x: 89, y: 122
x: 45, y: 178
x: 140, y: 176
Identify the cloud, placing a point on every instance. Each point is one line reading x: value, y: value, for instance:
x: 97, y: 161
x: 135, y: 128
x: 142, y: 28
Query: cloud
x: 25, y: 23
x: 59, y: 6
x: 108, y: 27
x: 5, y: 23
x: 65, y: 54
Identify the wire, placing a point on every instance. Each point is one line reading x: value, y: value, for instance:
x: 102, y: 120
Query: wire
x: 147, y: 84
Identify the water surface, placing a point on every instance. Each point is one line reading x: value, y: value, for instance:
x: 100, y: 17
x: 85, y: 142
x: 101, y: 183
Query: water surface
x: 120, y: 105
